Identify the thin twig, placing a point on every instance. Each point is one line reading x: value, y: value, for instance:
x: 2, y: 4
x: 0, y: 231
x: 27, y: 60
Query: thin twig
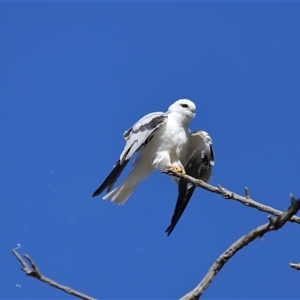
x: 258, y: 232
x: 34, y: 272
x: 247, y: 194
x: 247, y: 201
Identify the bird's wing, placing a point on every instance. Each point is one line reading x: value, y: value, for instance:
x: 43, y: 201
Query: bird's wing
x: 136, y: 137
x: 141, y: 133
x: 199, y: 166
x: 111, y: 178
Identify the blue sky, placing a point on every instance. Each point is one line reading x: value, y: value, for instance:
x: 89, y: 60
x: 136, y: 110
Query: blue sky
x: 74, y: 76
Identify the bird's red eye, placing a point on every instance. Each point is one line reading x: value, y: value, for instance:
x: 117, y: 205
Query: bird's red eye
x: 184, y: 105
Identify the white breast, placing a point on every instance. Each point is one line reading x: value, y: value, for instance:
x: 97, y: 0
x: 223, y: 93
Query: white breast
x: 169, y: 144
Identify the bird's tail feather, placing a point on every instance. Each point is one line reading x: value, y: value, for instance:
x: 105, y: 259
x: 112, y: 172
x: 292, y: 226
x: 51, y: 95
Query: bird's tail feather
x: 120, y: 194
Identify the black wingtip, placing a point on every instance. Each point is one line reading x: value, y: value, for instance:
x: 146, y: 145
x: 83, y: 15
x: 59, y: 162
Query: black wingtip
x: 169, y: 230
x: 96, y: 193
x: 111, y: 178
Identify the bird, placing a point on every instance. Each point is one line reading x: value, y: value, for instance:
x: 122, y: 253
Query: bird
x: 161, y: 140
x: 200, y: 163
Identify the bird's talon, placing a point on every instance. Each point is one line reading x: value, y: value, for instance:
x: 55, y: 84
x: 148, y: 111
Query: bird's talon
x: 177, y: 169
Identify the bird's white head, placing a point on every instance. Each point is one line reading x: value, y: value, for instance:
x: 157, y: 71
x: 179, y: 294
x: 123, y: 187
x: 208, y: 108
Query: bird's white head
x: 185, y: 107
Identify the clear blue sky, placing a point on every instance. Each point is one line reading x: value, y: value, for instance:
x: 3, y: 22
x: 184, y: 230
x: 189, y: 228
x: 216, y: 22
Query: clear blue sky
x: 74, y: 76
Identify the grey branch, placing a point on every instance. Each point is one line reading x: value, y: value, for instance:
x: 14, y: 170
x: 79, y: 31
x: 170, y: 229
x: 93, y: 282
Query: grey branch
x: 273, y: 224
x: 34, y: 272
x: 247, y: 201
x: 295, y: 266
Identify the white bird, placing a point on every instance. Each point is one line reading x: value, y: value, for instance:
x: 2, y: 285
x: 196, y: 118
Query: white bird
x: 162, y: 141
x: 199, y: 165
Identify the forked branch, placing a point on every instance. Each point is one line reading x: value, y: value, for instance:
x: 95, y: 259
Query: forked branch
x: 247, y: 201
x: 34, y: 272
x: 273, y: 224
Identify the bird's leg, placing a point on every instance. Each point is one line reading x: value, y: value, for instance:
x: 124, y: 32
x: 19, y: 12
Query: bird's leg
x: 177, y: 169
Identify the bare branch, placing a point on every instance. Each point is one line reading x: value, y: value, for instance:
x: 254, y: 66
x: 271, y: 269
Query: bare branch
x: 34, y: 272
x: 232, y: 196
x: 295, y: 266
x: 258, y: 232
